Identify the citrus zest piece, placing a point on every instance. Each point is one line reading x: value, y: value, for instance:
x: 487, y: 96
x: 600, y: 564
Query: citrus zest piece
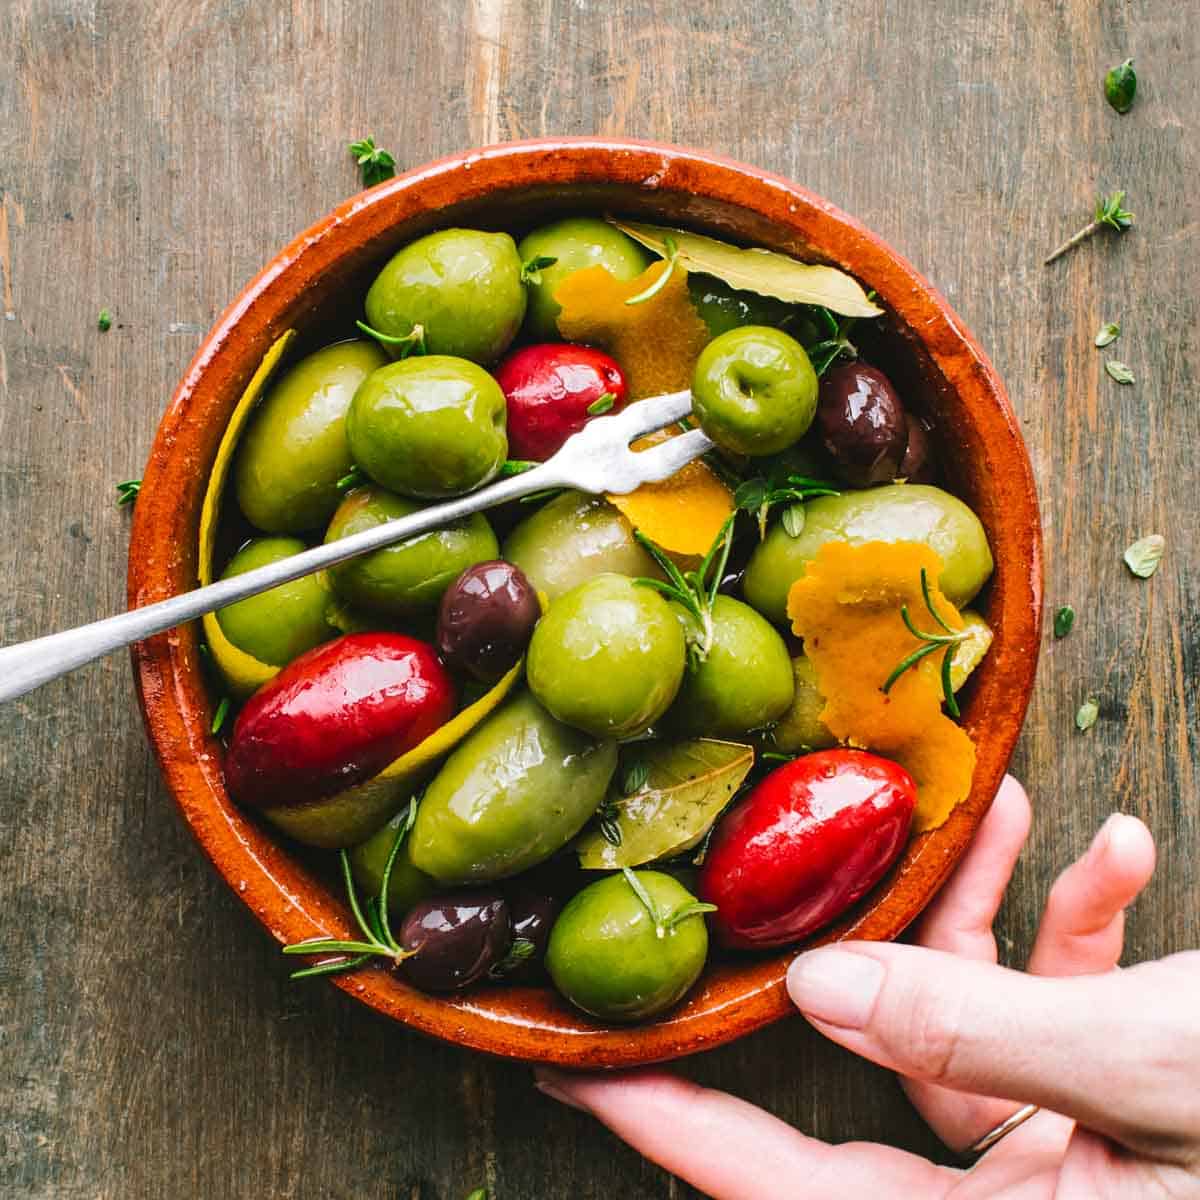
x: 847, y: 610
x: 352, y: 816
x: 242, y: 672
x: 656, y: 341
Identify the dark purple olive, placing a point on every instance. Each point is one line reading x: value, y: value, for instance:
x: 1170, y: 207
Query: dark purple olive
x: 457, y: 936
x: 486, y: 619
x: 917, y: 465
x: 862, y: 424
x: 531, y: 915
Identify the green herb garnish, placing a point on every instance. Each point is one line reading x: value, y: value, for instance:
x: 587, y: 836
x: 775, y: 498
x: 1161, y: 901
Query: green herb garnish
x: 377, y: 934
x: 836, y: 343
x: 375, y: 163
x: 350, y: 480
x: 218, y: 721
x: 531, y: 272
x: 602, y: 404
x: 521, y: 950
x: 1085, y: 716
x: 1118, y: 371
x: 104, y: 321
x: 758, y: 496
x: 1143, y: 557
x: 1064, y: 621
x: 607, y: 822
x: 479, y: 1194
x: 934, y: 642
x: 671, y: 257
x: 1120, y: 86
x: 635, y: 777
x: 1109, y: 213
x: 664, y: 922
x: 516, y: 466
x: 127, y: 491
x: 402, y: 345
x: 1107, y: 334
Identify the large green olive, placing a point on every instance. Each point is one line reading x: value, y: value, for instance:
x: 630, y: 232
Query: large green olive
x: 406, y: 884
x: 573, y: 538
x: 411, y: 576
x: 514, y: 792
x: 295, y: 449
x: 609, y: 956
x: 574, y: 243
x: 754, y: 390
x: 898, y: 512
x: 608, y: 657
x: 744, y: 683
x: 278, y: 625
x: 462, y: 286
x: 430, y: 426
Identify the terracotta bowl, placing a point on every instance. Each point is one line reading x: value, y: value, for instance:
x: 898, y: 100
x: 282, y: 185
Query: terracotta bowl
x: 315, y: 286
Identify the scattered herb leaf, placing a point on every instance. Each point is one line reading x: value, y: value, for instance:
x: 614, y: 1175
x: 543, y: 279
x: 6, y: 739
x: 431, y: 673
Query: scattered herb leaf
x: 1143, y: 557
x: 412, y: 342
x: 127, y: 491
x: 1107, y: 334
x: 671, y: 254
x: 793, y: 520
x: 218, y: 721
x: 1108, y: 213
x: 759, y: 495
x: 521, y: 950
x: 104, y: 321
x: 531, y: 272
x: 350, y: 480
x: 374, y: 163
x: 1064, y: 621
x: 1120, y: 86
x: 602, y: 404
x: 1085, y: 716
x: 1118, y: 371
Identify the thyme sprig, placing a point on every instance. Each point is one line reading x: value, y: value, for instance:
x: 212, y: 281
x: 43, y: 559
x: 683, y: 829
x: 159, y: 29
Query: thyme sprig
x: 758, y: 495
x: 664, y: 922
x: 1109, y: 214
x: 836, y: 343
x: 695, y: 591
x: 933, y: 642
x: 375, y: 163
x: 378, y: 940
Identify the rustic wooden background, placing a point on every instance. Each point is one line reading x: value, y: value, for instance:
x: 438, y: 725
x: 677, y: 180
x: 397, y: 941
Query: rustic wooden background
x: 153, y: 154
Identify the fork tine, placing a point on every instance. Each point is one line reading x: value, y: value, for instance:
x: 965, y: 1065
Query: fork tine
x: 645, y: 416
x: 661, y: 462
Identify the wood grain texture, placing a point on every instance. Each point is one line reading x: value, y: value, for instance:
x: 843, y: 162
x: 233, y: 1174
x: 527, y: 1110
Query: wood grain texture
x: 153, y: 155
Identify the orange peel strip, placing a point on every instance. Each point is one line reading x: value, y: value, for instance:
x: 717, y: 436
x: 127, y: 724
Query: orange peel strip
x: 847, y: 610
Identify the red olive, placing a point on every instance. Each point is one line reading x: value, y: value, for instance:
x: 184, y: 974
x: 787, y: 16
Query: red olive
x: 486, y: 619
x: 336, y: 716
x: 811, y: 839
x: 862, y: 425
x: 550, y: 389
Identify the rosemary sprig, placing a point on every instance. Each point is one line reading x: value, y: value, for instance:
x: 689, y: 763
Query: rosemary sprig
x: 933, y: 642
x: 759, y: 496
x: 657, y: 286
x: 1109, y: 213
x: 664, y: 922
x: 377, y: 940
x: 695, y: 591
x: 402, y: 345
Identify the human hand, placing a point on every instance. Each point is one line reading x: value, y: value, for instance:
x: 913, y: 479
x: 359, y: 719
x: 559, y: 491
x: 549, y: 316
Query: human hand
x: 1113, y: 1057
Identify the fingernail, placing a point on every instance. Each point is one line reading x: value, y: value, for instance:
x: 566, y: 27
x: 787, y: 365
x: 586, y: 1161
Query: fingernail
x: 548, y: 1085
x: 836, y: 986
x: 1115, y: 829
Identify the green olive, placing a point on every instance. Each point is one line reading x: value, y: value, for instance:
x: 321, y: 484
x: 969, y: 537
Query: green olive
x: 281, y: 624
x: 607, y: 956
x: 294, y: 451
x: 744, y: 683
x: 516, y: 790
x: 572, y: 539
x: 754, y: 390
x: 429, y: 427
x: 608, y: 657
x: 574, y: 243
x: 462, y: 286
x: 801, y: 727
x: 406, y: 884
x: 410, y: 577
x: 898, y: 512
x: 723, y: 308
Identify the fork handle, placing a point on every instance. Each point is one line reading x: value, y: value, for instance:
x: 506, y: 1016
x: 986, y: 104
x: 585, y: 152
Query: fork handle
x: 28, y: 665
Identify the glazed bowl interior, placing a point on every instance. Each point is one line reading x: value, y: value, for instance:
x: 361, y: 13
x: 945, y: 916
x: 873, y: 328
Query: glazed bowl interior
x: 316, y: 286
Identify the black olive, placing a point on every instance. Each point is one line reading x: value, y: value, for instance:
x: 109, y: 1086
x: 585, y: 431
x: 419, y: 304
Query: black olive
x: 457, y: 936
x: 862, y: 424
x: 531, y: 915
x: 917, y: 465
x: 486, y: 619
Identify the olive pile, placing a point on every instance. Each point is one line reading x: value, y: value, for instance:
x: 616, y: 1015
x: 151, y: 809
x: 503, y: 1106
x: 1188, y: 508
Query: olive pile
x: 406, y: 655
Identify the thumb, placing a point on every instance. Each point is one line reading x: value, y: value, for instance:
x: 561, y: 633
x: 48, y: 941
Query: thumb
x: 1118, y: 1052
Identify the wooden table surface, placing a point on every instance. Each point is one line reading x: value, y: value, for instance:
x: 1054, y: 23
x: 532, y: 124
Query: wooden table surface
x: 153, y: 155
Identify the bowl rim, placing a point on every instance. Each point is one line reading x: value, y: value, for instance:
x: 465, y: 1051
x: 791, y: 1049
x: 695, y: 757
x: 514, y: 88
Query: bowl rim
x: 732, y: 999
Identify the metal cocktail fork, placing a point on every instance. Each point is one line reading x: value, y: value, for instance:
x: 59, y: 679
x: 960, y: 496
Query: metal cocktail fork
x: 597, y: 459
